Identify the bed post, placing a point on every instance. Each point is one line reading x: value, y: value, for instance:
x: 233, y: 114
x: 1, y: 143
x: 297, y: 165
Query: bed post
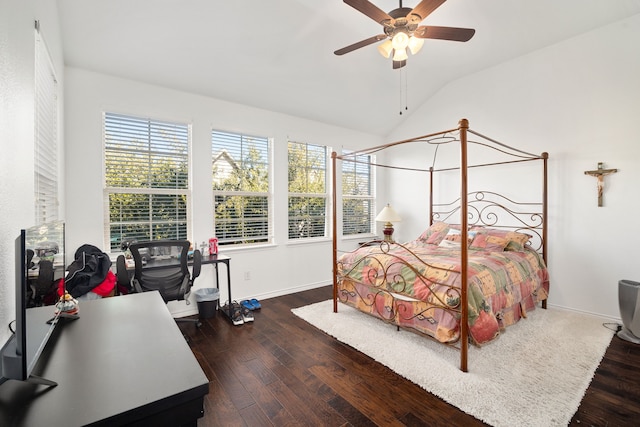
x: 464, y: 321
x: 545, y: 157
x: 431, y: 195
x: 335, y: 232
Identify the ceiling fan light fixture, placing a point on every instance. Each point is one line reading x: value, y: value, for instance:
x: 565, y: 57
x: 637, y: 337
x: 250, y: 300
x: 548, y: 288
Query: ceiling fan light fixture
x: 385, y: 48
x: 400, y: 40
x: 400, y: 55
x: 415, y: 44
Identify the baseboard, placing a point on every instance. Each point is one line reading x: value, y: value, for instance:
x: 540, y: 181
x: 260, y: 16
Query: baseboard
x: 192, y: 309
x: 287, y: 291
x: 601, y: 316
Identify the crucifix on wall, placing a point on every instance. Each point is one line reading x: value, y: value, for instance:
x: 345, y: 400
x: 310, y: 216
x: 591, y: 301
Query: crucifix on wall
x: 600, y: 173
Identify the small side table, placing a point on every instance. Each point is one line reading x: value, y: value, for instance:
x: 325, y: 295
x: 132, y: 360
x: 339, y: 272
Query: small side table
x: 373, y: 241
x: 215, y: 260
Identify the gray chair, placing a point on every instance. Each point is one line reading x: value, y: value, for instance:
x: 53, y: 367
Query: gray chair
x: 162, y: 265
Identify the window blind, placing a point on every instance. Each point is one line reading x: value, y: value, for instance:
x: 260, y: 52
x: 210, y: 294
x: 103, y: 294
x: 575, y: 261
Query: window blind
x: 308, y: 197
x: 358, y: 195
x: 46, y: 163
x: 241, y: 188
x: 146, y: 179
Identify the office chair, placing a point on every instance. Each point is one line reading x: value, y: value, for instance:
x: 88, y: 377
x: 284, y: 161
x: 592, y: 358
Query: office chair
x: 161, y: 265
x: 43, y: 287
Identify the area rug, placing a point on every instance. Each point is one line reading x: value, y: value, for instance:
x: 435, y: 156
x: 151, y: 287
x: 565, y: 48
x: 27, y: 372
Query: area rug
x: 535, y: 373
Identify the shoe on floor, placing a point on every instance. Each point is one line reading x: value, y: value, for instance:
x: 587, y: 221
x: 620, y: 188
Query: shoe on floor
x: 236, y: 313
x: 247, y: 304
x: 255, y: 303
x: 247, y: 316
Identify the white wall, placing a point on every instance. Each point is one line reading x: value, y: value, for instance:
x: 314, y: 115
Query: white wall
x: 276, y: 270
x: 17, y: 64
x: 577, y: 100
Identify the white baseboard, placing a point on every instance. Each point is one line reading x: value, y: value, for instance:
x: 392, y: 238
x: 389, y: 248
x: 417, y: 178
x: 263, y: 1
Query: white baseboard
x: 181, y: 309
x: 601, y: 316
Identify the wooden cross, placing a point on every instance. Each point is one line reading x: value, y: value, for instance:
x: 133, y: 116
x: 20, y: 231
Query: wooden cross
x: 600, y: 173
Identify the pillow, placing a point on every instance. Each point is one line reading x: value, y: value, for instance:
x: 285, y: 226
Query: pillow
x: 454, y: 237
x: 515, y: 241
x: 488, y: 242
x: 435, y: 233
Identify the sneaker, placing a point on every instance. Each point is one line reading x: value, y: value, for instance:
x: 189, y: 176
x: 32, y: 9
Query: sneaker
x: 247, y: 316
x: 236, y: 313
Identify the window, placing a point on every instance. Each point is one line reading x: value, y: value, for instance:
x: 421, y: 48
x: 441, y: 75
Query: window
x: 242, y: 199
x: 147, y: 179
x: 307, y: 191
x: 358, y: 195
x: 46, y: 135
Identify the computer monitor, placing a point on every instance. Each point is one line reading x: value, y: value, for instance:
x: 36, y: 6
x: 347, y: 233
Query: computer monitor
x: 19, y: 355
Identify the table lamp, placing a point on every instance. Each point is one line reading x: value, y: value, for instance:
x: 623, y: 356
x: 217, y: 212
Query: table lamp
x: 388, y: 216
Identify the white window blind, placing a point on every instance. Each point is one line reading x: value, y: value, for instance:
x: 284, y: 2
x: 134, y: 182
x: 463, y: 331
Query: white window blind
x: 358, y: 195
x: 46, y: 163
x: 308, y: 196
x: 241, y: 190
x: 146, y: 179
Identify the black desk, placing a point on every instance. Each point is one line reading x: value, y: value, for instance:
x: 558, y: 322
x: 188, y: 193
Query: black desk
x: 210, y: 259
x: 124, y: 361
x: 217, y: 259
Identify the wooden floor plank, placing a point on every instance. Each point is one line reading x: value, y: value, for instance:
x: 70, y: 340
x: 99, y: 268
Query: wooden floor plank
x: 281, y: 371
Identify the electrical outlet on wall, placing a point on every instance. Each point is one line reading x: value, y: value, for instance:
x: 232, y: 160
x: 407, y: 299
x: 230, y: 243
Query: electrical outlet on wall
x: 247, y: 275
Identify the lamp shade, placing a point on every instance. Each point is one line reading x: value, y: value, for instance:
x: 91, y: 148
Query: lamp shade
x: 387, y: 214
x: 385, y: 48
x: 400, y: 55
x: 415, y: 44
x: 400, y: 40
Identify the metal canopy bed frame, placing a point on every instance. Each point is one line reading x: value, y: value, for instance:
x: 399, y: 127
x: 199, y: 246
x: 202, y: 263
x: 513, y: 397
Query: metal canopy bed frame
x: 476, y: 208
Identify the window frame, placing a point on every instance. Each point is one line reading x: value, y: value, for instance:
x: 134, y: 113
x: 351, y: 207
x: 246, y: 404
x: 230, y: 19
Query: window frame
x: 355, y: 159
x: 244, y: 140
x: 183, y: 184
x: 46, y: 139
x: 326, y: 195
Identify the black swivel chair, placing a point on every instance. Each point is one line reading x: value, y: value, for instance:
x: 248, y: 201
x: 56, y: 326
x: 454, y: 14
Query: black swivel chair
x: 42, y: 288
x: 161, y: 265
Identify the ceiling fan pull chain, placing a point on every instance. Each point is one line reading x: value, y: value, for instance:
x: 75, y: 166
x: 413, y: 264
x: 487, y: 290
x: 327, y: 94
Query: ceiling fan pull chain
x: 406, y: 92
x: 400, y: 103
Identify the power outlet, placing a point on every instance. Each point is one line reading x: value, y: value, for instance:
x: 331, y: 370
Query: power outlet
x: 247, y: 275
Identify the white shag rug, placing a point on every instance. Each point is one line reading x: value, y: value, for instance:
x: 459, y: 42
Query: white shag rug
x: 534, y: 374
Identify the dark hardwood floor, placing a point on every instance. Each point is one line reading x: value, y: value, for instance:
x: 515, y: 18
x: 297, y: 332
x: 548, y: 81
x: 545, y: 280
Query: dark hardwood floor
x: 281, y: 371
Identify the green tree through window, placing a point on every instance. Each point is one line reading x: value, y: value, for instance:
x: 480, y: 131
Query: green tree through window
x: 240, y: 171
x: 147, y: 179
x: 307, y: 190
x: 358, y: 199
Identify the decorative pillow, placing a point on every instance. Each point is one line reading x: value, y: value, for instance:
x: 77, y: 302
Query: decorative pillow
x: 515, y: 246
x: 515, y: 241
x: 488, y: 242
x: 454, y: 237
x: 435, y: 233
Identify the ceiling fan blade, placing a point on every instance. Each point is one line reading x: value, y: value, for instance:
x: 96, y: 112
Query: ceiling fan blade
x: 369, y: 9
x: 399, y: 64
x: 425, y: 7
x: 360, y: 44
x: 444, y: 33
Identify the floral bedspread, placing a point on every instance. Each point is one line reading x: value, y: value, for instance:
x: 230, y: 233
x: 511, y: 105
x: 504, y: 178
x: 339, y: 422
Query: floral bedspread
x: 502, y: 286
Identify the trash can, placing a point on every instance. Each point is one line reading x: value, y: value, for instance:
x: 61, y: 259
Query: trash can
x: 207, y: 299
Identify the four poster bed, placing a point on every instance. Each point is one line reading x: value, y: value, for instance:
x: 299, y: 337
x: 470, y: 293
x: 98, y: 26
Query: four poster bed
x: 437, y: 286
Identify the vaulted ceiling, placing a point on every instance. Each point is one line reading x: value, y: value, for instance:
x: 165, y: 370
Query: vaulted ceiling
x: 278, y: 54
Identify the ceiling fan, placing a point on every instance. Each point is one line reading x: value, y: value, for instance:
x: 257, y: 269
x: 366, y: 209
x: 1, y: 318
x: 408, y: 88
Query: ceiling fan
x: 402, y: 31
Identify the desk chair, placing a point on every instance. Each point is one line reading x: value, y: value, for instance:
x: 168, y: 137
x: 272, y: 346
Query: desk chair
x: 161, y: 265
x: 43, y: 287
